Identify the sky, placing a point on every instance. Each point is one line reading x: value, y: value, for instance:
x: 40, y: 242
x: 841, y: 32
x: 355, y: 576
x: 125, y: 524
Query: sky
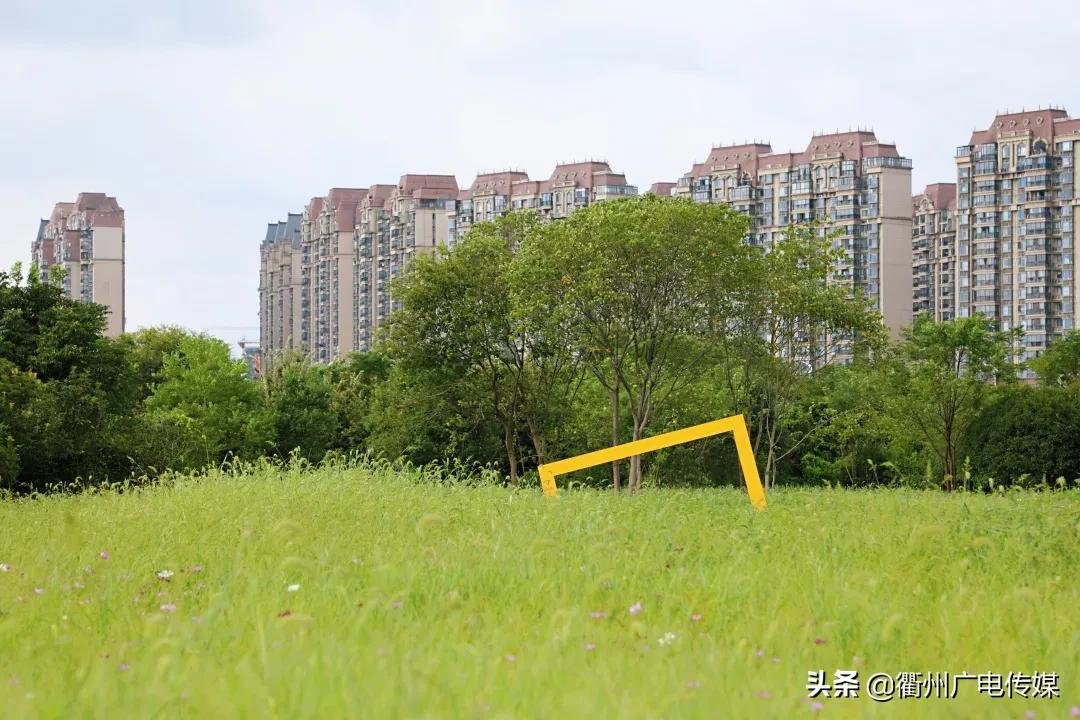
x: 207, y: 119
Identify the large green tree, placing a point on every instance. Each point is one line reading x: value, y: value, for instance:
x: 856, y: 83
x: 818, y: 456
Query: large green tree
x: 781, y: 316
x: 947, y: 372
x: 1060, y: 363
x: 203, y: 384
x: 627, y: 284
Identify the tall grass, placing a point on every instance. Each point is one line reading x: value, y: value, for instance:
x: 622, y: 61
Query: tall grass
x: 443, y: 599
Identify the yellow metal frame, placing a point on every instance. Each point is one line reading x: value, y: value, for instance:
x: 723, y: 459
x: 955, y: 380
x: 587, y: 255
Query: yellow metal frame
x: 735, y: 424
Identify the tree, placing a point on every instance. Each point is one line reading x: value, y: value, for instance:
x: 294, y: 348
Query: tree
x: 1027, y: 431
x: 202, y: 383
x: 353, y: 382
x: 626, y: 282
x: 147, y: 349
x: 1060, y: 364
x: 298, y: 395
x: 777, y: 320
x: 62, y: 383
x: 944, y: 379
x: 457, y: 322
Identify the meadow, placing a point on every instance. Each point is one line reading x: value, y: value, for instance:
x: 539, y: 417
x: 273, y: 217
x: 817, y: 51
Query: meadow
x: 362, y: 592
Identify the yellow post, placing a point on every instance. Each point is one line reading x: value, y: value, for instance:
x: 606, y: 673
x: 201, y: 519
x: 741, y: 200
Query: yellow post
x: 735, y: 424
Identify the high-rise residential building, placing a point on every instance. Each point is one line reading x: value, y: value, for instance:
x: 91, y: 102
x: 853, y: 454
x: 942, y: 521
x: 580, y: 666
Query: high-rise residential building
x: 933, y: 251
x: 394, y: 224
x: 326, y: 272
x: 1015, y: 240
x: 571, y: 186
x: 340, y: 256
x: 857, y: 187
x: 282, y: 303
x: 487, y: 198
x: 86, y: 238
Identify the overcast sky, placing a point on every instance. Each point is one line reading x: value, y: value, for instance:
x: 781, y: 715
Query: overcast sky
x: 209, y: 118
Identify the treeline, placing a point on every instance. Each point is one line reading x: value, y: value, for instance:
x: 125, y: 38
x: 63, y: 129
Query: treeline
x: 532, y: 341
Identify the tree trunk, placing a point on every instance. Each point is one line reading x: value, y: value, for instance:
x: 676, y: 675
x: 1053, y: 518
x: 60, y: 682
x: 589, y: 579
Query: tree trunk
x: 511, y: 453
x: 615, y: 479
x: 635, y: 462
x: 539, y: 442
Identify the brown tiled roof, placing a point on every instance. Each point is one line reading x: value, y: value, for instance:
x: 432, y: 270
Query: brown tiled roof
x: 940, y: 195
x: 580, y: 174
x: 497, y: 183
x: 1067, y: 125
x: 61, y: 210
x: 749, y: 158
x: 1040, y: 123
x: 313, y: 208
x: 662, y: 188
x: 377, y: 195
x: 409, y: 183
x: 345, y: 202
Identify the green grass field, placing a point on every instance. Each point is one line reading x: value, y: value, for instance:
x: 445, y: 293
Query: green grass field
x: 345, y: 592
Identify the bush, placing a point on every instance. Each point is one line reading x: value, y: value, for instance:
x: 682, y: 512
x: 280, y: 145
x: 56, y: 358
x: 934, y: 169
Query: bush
x: 1028, y: 432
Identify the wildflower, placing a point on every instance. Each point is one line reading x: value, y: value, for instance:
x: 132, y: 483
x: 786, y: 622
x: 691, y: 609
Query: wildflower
x: 294, y: 587
x: 4, y: 567
x: 1075, y: 712
x: 124, y: 667
x: 819, y: 641
x: 759, y: 653
x: 696, y: 617
x: 164, y: 575
x: 763, y: 694
x: 775, y: 659
x: 168, y: 607
x: 396, y: 604
x: 598, y: 614
x: 693, y: 684
x: 667, y: 639
x: 589, y: 647
x: 104, y: 554
x: 78, y: 585
x: 636, y: 608
x: 511, y: 658
x: 1029, y: 715
x: 196, y: 568
x: 816, y: 707
x: 39, y: 591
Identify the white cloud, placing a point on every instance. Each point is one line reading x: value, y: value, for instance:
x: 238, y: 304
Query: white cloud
x: 210, y: 124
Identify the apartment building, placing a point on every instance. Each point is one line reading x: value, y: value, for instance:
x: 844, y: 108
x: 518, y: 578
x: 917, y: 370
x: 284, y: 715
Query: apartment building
x: 283, y: 306
x: 933, y: 251
x: 1015, y: 240
x: 340, y: 255
x: 857, y: 186
x: 394, y: 224
x: 86, y: 238
x: 326, y: 272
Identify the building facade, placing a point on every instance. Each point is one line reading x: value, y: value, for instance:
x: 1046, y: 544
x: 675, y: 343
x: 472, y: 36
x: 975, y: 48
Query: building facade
x: 857, y: 187
x: 86, y: 238
x: 326, y: 273
x: 933, y: 251
x: 394, y: 225
x: 282, y: 303
x: 1015, y: 238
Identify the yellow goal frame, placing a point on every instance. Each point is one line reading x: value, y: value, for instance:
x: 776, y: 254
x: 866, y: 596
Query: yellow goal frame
x: 736, y: 425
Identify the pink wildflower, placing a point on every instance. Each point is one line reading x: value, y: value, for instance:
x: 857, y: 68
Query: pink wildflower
x: 104, y: 554
x: 636, y: 608
x: 168, y: 607
x: 816, y: 707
